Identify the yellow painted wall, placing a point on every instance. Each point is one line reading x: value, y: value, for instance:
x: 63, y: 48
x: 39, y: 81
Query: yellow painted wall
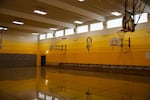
x: 100, y: 52
x: 20, y: 43
x: 14, y: 42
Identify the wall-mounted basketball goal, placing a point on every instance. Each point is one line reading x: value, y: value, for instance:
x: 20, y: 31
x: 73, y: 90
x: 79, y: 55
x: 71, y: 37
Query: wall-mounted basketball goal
x: 131, y: 8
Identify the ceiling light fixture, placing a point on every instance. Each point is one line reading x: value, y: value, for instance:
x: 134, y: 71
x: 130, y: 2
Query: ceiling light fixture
x: 81, y: 0
x: 18, y: 22
x: 3, y: 28
x: 40, y: 12
x: 116, y: 13
x: 78, y: 22
x: 53, y: 29
x: 35, y: 33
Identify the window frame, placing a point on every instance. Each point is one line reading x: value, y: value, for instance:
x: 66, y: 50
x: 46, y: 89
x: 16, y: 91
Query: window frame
x: 42, y: 36
x: 110, y: 23
x: 66, y: 31
x: 61, y: 31
x: 80, y: 30
x: 101, y: 26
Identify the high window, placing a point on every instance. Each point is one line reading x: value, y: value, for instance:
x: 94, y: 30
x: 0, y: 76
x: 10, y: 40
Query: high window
x: 59, y: 33
x: 82, y: 29
x: 114, y: 23
x: 69, y: 31
x: 42, y: 36
x: 96, y: 26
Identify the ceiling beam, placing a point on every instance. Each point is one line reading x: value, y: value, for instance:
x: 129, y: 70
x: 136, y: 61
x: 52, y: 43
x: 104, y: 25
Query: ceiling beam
x: 34, y: 18
x: 25, y: 27
x: 77, y: 10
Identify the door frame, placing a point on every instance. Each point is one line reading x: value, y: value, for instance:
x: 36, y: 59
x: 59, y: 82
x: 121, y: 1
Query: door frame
x: 43, y: 60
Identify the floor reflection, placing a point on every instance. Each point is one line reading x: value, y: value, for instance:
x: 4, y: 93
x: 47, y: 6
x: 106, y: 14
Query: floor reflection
x: 53, y: 84
x: 18, y: 83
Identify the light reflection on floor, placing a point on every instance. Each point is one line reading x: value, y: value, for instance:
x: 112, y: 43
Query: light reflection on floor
x: 53, y: 84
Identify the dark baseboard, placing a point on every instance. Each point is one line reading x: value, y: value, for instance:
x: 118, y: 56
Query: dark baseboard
x: 123, y: 69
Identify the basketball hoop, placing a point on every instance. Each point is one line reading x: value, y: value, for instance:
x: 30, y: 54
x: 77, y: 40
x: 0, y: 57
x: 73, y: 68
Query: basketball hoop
x: 128, y: 23
x: 121, y: 35
x: 89, y: 43
x: 115, y: 42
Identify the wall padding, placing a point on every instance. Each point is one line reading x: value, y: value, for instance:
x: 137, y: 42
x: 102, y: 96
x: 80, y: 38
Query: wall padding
x: 17, y: 60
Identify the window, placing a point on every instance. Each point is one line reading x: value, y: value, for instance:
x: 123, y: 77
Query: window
x: 82, y: 29
x: 41, y: 95
x: 49, y: 35
x: 59, y: 33
x: 56, y: 99
x: 143, y: 18
x: 118, y: 22
x: 96, y: 26
x: 48, y: 97
x: 42, y: 36
x: 114, y: 23
x: 69, y: 31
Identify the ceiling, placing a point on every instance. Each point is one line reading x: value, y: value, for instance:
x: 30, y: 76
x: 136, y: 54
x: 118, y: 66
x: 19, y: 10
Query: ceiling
x: 61, y: 13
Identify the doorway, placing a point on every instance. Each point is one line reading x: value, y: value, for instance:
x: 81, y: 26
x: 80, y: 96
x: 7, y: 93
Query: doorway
x: 43, y: 60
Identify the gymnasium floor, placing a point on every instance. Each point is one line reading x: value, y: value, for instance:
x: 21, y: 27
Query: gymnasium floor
x: 30, y: 83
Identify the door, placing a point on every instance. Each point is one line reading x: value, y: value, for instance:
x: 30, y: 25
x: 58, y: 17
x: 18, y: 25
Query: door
x: 43, y: 60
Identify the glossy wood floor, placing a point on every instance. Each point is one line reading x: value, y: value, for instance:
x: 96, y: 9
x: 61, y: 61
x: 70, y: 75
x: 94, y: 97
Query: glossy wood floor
x: 31, y: 83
